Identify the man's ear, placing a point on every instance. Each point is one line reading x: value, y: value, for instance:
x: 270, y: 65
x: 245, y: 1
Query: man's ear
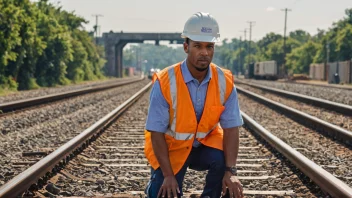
x: 186, y: 47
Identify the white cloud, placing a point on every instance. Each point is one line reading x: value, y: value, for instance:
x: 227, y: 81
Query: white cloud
x: 269, y: 9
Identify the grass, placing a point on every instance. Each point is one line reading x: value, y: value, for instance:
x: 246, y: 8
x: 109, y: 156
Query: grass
x: 4, y: 92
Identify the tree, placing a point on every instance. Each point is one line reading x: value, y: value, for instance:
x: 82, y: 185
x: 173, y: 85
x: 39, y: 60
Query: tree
x: 268, y: 39
x: 344, y: 43
x: 276, y: 52
x: 41, y: 44
x: 300, y: 35
x: 300, y: 58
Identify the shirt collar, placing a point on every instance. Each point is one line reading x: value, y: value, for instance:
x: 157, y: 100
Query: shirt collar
x: 187, y: 76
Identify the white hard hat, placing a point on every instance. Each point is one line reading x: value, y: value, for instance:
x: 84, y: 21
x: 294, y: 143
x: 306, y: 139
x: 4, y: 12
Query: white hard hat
x: 201, y: 27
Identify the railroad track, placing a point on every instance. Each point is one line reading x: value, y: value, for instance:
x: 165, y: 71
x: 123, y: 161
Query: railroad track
x: 28, y: 136
x: 107, y: 159
x: 323, y: 85
x: 8, y: 107
x: 326, y: 122
x: 342, y: 96
x: 302, y: 133
x: 326, y: 104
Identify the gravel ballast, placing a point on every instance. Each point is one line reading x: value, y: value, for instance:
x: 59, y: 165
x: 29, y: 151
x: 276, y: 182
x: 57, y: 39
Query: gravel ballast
x: 323, y: 114
x: 46, y: 128
x: 115, y: 164
x: 330, y: 154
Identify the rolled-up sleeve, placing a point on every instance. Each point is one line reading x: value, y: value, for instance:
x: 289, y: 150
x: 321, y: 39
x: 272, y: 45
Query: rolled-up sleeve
x: 158, y: 112
x: 231, y: 116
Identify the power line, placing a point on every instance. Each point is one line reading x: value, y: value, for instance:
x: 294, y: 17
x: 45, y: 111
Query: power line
x: 250, y: 38
x: 285, y: 69
x: 245, y: 33
x: 96, y: 26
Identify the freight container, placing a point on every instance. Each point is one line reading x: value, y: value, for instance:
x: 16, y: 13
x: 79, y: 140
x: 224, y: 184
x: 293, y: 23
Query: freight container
x: 311, y: 71
x: 249, y: 71
x: 339, y: 72
x: 317, y: 71
x: 344, y: 72
x: 332, y: 70
x: 266, y: 69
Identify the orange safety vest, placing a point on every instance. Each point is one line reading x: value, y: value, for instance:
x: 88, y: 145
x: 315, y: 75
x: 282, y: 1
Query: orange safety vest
x: 183, y: 126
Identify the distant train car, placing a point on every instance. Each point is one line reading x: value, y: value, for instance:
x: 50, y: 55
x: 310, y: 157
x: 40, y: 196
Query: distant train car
x: 152, y: 71
x: 267, y: 70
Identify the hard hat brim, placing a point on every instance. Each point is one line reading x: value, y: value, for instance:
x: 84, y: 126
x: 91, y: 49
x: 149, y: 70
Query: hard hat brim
x: 201, y: 38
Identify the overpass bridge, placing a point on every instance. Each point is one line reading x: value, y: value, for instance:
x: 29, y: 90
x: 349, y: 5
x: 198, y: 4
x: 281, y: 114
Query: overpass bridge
x: 115, y: 42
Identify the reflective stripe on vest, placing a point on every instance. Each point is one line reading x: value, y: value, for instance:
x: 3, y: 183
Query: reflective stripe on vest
x: 173, y: 93
x: 204, y: 134
x: 180, y: 136
x: 222, y: 84
x: 173, y: 90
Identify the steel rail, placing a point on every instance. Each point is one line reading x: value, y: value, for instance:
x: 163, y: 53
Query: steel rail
x: 335, y: 86
x: 331, y: 130
x: 25, y: 103
x: 24, y: 180
x: 326, y: 104
x: 321, y: 177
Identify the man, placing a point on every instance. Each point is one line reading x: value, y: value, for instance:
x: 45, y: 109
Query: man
x: 187, y: 102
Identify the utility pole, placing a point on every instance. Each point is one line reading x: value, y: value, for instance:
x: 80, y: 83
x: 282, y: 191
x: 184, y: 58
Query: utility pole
x: 250, y: 38
x: 327, y: 52
x: 240, y: 62
x: 245, y: 33
x: 285, y: 69
x: 96, y: 27
x: 327, y: 59
x: 245, y: 38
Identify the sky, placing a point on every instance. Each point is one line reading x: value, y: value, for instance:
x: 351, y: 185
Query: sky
x: 232, y: 15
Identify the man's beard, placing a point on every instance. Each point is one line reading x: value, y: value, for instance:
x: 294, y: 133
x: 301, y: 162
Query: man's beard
x: 201, y: 69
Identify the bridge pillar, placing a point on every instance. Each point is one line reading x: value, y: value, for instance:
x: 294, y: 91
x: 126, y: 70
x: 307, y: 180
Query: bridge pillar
x: 110, y: 53
x: 119, y: 58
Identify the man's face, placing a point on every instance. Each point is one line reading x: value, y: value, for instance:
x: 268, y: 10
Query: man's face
x: 200, y: 54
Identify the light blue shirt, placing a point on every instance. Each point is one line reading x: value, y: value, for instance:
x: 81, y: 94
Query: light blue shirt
x: 158, y: 113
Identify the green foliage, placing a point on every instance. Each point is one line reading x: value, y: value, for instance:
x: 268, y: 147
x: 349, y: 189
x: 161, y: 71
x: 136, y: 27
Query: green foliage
x: 300, y: 35
x: 33, y: 84
x: 42, y: 45
x: 300, y: 58
x: 276, y: 52
x: 344, y: 43
x: 267, y: 40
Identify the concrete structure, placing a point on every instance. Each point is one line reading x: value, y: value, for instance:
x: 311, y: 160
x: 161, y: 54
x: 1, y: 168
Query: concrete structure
x: 115, y: 42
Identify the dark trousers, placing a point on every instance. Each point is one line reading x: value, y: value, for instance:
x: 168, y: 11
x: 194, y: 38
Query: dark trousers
x: 201, y: 158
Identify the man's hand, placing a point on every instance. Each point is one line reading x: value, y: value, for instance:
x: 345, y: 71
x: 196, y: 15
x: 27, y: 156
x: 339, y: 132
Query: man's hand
x: 233, y: 184
x: 170, y: 186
